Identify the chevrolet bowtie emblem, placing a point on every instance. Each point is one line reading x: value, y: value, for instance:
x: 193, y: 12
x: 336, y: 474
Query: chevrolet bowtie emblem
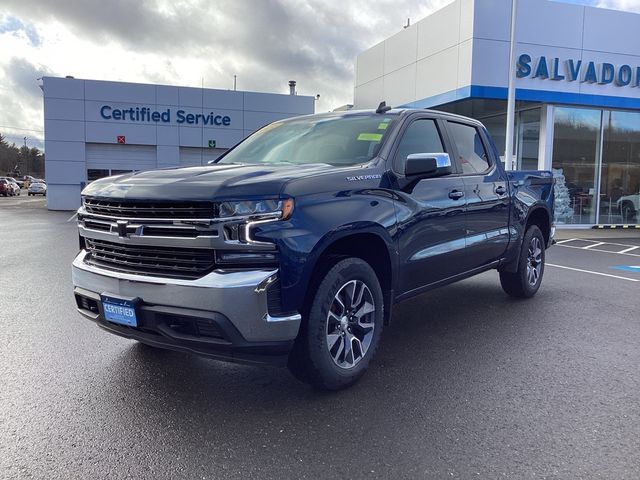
x: 122, y: 227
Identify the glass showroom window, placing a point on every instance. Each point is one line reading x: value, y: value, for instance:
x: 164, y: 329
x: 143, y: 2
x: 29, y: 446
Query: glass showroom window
x: 575, y: 151
x: 528, y: 139
x: 620, y: 184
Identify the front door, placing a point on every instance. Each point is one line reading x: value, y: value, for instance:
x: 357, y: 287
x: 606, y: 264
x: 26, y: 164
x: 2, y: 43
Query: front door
x: 430, y: 212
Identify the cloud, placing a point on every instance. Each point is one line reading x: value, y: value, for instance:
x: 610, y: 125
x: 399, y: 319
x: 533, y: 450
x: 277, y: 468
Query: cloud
x: 21, y: 101
x: 627, y: 5
x: 265, y: 43
x: 13, y: 25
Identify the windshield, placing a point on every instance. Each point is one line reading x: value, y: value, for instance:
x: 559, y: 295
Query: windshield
x: 334, y: 140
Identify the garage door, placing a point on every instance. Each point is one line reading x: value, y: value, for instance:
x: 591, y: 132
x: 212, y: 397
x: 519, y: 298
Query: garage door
x: 120, y: 157
x: 198, y: 156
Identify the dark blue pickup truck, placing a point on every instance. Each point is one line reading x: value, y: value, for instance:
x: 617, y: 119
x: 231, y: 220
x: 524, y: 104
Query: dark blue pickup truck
x: 293, y: 247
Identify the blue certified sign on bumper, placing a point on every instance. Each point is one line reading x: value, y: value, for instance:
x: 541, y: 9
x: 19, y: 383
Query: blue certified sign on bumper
x: 118, y: 310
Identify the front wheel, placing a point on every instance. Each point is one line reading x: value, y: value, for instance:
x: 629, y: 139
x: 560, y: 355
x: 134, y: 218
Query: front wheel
x: 525, y: 282
x: 342, y: 327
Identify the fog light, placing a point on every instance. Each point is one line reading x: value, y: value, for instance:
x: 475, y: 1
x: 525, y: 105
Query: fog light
x: 246, y: 257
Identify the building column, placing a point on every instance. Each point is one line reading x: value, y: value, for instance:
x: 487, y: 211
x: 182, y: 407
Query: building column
x: 545, y: 146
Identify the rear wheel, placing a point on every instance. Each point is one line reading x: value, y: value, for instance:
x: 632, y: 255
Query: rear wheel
x: 342, y: 328
x: 525, y: 282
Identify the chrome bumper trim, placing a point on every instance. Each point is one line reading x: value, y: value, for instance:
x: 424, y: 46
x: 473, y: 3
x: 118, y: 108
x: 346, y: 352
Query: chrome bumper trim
x: 215, y: 279
x: 234, y: 294
x: 290, y: 318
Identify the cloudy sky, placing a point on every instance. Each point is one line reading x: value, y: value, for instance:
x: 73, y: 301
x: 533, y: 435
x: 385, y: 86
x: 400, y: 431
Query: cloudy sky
x: 190, y: 42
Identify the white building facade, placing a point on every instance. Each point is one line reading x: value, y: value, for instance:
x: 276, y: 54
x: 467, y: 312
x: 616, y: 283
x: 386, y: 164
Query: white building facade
x: 577, y: 91
x: 96, y: 128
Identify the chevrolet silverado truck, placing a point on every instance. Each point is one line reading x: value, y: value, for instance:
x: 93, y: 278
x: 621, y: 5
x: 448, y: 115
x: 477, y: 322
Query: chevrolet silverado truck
x: 293, y: 247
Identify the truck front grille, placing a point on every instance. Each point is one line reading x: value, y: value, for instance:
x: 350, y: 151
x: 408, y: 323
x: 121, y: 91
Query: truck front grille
x: 188, y: 263
x: 150, y: 210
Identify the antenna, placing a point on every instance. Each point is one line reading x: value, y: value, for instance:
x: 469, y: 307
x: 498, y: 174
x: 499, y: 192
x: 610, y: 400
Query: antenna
x: 383, y: 108
x: 408, y: 23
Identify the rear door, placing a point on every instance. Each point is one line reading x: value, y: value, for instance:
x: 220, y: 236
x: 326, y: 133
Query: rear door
x: 486, y: 192
x: 430, y: 212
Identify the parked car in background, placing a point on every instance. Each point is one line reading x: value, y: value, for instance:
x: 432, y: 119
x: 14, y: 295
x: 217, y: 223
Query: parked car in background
x: 16, y: 188
x: 12, y: 179
x: 13, y: 184
x: 629, y: 205
x: 37, y: 188
x: 28, y: 179
x: 5, y: 187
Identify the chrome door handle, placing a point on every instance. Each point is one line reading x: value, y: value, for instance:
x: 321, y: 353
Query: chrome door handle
x: 456, y: 194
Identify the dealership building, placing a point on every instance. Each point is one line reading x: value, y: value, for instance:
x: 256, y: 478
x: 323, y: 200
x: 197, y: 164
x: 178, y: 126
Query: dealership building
x: 577, y: 91
x: 95, y: 128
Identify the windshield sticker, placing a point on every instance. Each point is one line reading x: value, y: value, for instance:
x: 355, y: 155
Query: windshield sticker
x: 363, y: 177
x: 383, y: 126
x: 370, y: 137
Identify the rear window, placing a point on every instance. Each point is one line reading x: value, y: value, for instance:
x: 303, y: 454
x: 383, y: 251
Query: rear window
x: 473, y: 157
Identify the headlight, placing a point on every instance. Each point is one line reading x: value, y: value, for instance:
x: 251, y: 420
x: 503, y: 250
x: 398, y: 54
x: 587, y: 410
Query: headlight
x: 279, y: 209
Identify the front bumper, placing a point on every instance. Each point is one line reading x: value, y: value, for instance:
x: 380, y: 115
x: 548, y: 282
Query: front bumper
x: 224, y: 314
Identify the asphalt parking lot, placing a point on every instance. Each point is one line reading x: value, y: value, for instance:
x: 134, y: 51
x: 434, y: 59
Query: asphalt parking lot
x: 468, y: 383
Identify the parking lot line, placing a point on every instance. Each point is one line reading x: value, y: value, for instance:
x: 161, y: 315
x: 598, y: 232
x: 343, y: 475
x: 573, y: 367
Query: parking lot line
x: 595, y: 273
x: 566, y: 241
x: 628, y: 250
x: 594, y: 245
x: 623, y: 252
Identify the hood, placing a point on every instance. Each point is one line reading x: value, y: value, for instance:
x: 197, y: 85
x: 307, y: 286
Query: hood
x: 211, y: 182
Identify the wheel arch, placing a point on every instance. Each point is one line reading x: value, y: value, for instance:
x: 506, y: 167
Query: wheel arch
x: 541, y: 217
x: 372, y: 245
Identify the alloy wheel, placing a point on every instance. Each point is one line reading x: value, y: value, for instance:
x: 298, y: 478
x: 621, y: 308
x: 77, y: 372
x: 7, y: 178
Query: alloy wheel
x: 534, y: 261
x: 350, y: 324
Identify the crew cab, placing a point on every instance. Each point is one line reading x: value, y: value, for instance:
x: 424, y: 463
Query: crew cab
x: 293, y: 247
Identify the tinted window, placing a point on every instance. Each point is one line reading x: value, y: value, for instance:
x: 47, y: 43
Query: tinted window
x: 473, y: 157
x: 420, y: 137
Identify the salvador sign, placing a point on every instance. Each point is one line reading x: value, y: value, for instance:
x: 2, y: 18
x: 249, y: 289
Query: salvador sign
x: 572, y: 70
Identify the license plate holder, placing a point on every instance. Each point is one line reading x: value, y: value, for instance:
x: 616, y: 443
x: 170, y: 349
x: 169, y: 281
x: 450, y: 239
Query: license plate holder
x: 122, y: 311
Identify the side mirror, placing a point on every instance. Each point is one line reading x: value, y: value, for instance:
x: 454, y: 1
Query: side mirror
x: 427, y: 165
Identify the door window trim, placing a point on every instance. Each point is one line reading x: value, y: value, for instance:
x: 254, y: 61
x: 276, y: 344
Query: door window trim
x: 396, y: 144
x: 489, y: 151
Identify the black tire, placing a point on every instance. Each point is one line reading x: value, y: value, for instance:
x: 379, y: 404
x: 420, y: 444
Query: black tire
x: 311, y: 360
x: 521, y: 284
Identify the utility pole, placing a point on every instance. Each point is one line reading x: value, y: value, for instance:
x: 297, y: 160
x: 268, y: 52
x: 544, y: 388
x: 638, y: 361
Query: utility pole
x: 28, y: 157
x: 511, y: 95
